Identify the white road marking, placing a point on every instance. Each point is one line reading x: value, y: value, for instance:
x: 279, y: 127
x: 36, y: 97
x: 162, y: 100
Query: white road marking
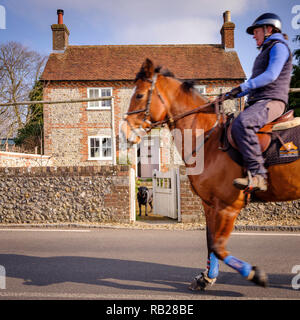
x: 275, y: 233
x: 63, y: 295
x: 49, y: 230
x: 265, y: 234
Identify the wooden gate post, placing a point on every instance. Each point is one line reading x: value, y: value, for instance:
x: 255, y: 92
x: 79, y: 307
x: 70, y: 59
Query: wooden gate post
x: 132, y: 194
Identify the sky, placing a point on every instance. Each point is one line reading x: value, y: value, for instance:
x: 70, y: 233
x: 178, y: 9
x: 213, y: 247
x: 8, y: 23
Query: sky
x: 97, y: 22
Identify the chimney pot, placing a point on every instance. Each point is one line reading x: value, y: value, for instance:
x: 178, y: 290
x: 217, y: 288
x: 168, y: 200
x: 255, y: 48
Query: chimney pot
x: 60, y: 14
x: 227, y: 16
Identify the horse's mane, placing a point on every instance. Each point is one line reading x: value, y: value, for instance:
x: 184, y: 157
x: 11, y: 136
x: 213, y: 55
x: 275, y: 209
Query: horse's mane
x: 187, y: 86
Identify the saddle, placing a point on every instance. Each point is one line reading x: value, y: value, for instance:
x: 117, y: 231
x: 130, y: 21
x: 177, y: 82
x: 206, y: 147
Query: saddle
x: 286, y: 121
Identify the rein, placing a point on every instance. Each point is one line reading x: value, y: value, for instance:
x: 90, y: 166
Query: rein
x: 218, y: 111
x: 218, y: 104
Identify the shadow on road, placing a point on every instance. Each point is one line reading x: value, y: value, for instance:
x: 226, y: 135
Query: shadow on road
x: 120, y: 274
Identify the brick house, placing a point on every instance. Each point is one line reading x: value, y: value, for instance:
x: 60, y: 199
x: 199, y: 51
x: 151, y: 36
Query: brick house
x: 86, y: 133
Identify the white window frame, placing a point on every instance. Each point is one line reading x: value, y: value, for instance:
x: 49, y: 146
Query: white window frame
x: 100, y: 107
x: 203, y: 87
x: 101, y: 157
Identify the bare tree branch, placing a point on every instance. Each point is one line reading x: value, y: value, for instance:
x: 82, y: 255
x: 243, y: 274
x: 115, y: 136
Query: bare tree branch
x: 20, y: 68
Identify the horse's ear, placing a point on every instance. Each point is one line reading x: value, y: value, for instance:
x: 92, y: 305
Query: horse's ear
x: 146, y: 72
x: 148, y: 68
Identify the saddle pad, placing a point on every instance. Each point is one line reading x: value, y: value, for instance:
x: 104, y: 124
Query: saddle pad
x: 286, y: 125
x: 276, y: 153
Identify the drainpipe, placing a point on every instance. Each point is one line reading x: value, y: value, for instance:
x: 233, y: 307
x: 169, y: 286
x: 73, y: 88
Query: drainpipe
x: 113, y: 135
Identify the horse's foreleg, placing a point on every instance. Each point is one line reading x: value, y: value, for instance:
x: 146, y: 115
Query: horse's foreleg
x: 209, y: 276
x: 212, y: 261
x: 224, y: 223
x: 212, y: 267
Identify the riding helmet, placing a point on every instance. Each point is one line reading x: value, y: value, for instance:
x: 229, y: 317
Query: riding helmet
x: 266, y: 19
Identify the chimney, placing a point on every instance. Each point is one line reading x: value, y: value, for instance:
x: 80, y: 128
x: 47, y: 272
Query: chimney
x: 227, y: 32
x: 60, y: 33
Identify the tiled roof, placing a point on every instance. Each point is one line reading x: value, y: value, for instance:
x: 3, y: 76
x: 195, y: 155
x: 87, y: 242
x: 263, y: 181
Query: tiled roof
x: 122, y: 62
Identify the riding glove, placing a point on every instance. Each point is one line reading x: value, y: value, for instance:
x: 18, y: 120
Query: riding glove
x: 233, y: 93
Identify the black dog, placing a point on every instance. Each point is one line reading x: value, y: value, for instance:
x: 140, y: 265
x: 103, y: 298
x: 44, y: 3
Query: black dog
x: 144, y: 197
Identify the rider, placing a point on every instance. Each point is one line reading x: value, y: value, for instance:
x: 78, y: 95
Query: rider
x: 267, y: 91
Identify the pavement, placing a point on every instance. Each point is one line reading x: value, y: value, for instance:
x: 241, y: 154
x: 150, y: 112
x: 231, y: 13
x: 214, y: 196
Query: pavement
x: 153, y: 224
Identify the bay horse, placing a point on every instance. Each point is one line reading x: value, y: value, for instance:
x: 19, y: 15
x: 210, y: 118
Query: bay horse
x: 162, y: 99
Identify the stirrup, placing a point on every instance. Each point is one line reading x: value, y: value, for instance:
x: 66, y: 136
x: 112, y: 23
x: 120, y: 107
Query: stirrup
x: 247, y: 191
x: 249, y: 188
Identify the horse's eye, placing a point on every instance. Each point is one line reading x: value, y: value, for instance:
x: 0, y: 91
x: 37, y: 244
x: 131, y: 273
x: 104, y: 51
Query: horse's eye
x: 139, y: 96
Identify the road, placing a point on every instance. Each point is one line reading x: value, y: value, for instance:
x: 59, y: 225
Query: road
x: 138, y: 264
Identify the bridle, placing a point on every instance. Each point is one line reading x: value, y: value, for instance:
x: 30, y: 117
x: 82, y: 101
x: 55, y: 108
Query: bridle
x: 218, y: 106
x: 146, y: 111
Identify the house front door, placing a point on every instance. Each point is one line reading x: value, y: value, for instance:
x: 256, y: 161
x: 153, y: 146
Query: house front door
x: 148, y: 156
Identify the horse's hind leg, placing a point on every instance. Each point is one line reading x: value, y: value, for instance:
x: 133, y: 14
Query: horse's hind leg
x: 224, y: 224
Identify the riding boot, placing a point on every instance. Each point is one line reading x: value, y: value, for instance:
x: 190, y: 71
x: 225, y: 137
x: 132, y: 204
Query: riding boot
x: 256, y: 183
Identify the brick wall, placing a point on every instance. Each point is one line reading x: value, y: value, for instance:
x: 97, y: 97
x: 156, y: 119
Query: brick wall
x: 190, y: 203
x: 64, y: 194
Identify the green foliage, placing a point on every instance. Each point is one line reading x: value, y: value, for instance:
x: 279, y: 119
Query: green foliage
x: 30, y: 136
x: 36, y: 110
x: 294, y: 98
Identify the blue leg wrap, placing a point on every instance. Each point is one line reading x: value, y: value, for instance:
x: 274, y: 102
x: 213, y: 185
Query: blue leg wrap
x: 213, y: 266
x: 242, y: 267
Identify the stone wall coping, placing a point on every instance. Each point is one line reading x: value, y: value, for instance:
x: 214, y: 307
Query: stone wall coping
x: 23, y: 155
x: 106, y: 170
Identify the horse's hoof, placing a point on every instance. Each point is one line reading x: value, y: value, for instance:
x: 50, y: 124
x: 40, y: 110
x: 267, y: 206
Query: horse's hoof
x: 259, y: 277
x: 201, y: 282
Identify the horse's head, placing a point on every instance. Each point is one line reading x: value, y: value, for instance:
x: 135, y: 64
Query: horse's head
x: 147, y: 104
